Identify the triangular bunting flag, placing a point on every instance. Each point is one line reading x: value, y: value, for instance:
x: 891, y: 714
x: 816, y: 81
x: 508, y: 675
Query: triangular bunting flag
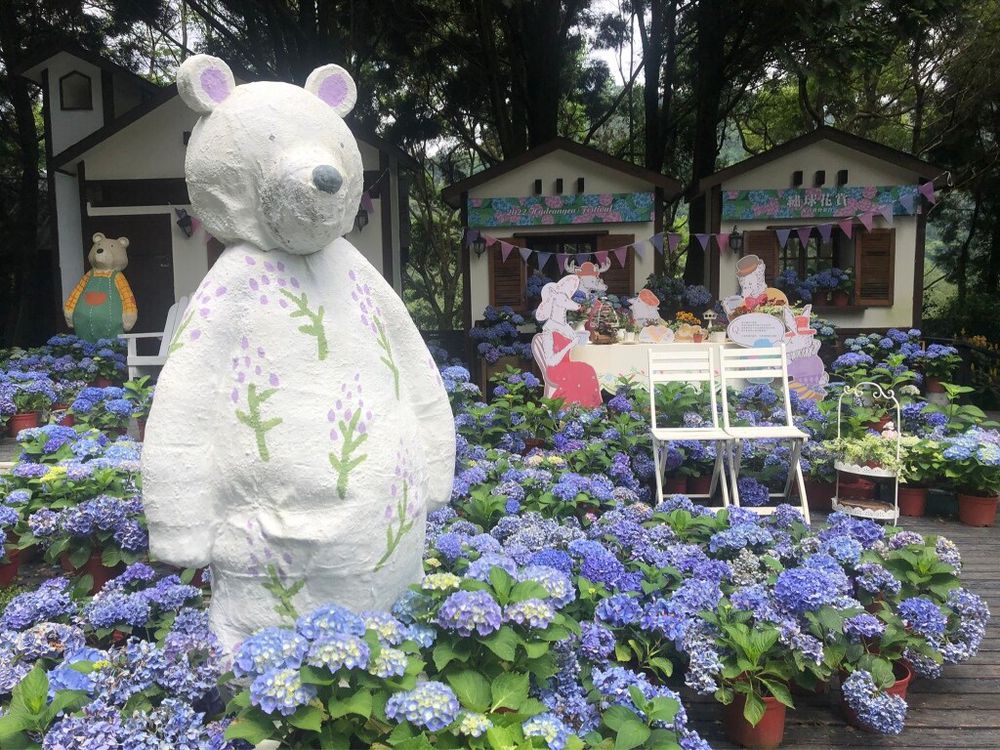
x: 868, y: 219
x: 906, y: 200
x: 782, y: 236
x: 722, y: 240
x: 639, y: 248
x: 505, y: 250
x: 825, y: 231
x: 366, y: 203
x: 543, y: 259
x: 561, y: 259
x: 471, y: 235
x: 804, y: 233
x: 927, y: 190
x: 702, y: 239
x: 673, y: 240
x: 886, y: 211
x: 490, y: 239
x: 525, y: 253
x: 847, y: 227
x: 620, y: 252
x: 581, y: 258
x: 657, y: 241
x: 602, y: 257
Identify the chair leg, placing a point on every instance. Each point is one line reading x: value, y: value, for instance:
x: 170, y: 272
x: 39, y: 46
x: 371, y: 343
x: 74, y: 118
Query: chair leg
x: 720, y: 468
x: 801, y: 482
x: 656, y: 466
x: 735, y: 449
x: 793, y: 460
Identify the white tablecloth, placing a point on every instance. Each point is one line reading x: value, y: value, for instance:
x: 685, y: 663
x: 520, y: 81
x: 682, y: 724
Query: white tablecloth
x: 613, y: 361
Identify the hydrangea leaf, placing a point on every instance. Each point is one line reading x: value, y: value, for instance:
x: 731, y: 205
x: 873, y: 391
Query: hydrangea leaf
x: 510, y: 690
x: 472, y: 689
x: 631, y: 733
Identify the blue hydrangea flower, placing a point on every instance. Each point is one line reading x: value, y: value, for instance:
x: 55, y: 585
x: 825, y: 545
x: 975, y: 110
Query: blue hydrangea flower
x: 390, y: 662
x: 330, y: 618
x: 281, y: 690
x: 875, y: 709
x: 338, y: 651
x: 923, y: 616
x: 535, y: 613
x: 549, y: 727
x: 468, y: 612
x: 431, y: 705
x: 270, y: 649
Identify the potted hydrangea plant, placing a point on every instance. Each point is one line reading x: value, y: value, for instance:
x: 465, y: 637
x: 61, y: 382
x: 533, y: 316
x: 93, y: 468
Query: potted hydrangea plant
x: 971, y: 462
x: 498, y: 341
x: 31, y: 396
x: 938, y: 363
x: 843, y: 281
x: 920, y: 466
x: 820, y: 476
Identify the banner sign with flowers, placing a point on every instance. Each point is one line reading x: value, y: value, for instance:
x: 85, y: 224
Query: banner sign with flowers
x: 795, y: 203
x: 542, y: 210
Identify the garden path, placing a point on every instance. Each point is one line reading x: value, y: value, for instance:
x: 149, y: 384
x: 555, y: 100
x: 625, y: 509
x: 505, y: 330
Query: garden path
x: 959, y: 710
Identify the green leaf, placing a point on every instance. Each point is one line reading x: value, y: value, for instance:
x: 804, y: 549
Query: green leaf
x: 446, y: 652
x: 32, y: 692
x: 308, y: 718
x: 66, y: 701
x: 631, y: 734
x: 472, y: 689
x: 254, y: 726
x: 616, y: 716
x: 534, y: 649
x: 503, y: 643
x: 316, y: 675
x: 753, y: 711
x: 528, y: 590
x: 780, y: 691
x: 502, y: 583
x: 509, y: 690
x: 359, y: 704
x: 663, y: 739
x: 500, y: 738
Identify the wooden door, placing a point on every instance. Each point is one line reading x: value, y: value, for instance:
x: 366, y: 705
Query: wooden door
x: 150, y: 270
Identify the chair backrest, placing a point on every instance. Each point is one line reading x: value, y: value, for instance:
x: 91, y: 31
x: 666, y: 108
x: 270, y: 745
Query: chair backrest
x: 742, y: 364
x: 538, y: 352
x: 174, y: 317
x: 675, y: 364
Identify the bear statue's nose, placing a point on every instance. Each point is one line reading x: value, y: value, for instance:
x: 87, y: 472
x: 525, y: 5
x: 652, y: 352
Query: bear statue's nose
x: 327, y: 178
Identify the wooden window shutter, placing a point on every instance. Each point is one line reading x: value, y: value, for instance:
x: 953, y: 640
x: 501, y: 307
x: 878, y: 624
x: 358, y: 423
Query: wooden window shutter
x: 764, y: 244
x: 507, y: 278
x: 874, y: 267
x: 620, y: 281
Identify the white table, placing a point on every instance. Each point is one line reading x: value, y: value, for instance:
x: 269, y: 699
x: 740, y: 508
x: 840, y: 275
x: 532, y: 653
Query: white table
x: 614, y: 361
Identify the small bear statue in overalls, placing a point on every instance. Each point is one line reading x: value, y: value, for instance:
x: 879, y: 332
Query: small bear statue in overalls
x: 102, y: 305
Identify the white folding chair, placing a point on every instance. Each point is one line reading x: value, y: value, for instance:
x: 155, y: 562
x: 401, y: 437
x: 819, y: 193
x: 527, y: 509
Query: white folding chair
x: 765, y: 363
x: 695, y: 367
x: 138, y: 363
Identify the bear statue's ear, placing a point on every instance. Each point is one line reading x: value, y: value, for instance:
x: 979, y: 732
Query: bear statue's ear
x: 334, y: 86
x: 98, y: 237
x: 204, y: 82
x: 123, y: 241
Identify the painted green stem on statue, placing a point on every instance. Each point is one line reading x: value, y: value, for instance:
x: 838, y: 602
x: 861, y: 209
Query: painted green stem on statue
x: 392, y: 539
x: 253, y: 418
x: 177, y: 343
x: 345, y: 463
x: 387, y: 358
x: 313, y: 328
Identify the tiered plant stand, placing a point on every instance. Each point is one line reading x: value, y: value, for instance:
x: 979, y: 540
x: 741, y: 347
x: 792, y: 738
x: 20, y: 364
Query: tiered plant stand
x: 876, y: 510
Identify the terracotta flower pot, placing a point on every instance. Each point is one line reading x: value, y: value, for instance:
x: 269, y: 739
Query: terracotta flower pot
x: 903, y: 676
x: 819, y: 495
x: 530, y: 444
x: 769, y: 731
x: 141, y: 423
x: 22, y: 421
x: 933, y: 385
x: 974, y: 510
x: 101, y: 382
x: 697, y: 338
x: 857, y: 488
x: 878, y: 424
x: 840, y: 298
x: 94, y: 568
x: 699, y: 485
x: 8, y: 570
x: 66, y: 420
x: 675, y: 485
x: 912, y: 501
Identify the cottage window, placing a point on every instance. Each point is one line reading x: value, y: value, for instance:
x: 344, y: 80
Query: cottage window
x: 871, y: 254
x: 76, y: 91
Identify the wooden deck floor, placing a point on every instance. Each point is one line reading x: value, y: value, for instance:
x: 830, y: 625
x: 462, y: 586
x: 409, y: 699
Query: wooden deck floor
x: 959, y: 710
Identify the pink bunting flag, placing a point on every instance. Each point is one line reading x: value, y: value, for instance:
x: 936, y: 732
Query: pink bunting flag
x: 505, y: 250
x: 489, y: 238
x: 906, y: 200
x: 886, y: 211
x: 620, y: 253
x: 657, y: 242
x: 702, y: 239
x: 847, y: 227
x: 804, y: 233
x: 195, y: 224
x: 366, y: 203
x: 602, y: 257
x: 525, y: 253
x: 825, y: 231
x: 868, y: 219
x: 783, y: 235
x: 673, y: 240
x: 561, y: 259
x: 722, y: 240
x: 543, y: 259
x: 926, y: 189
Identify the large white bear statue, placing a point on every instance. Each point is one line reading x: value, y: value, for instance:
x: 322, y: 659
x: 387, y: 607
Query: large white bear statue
x: 300, y: 426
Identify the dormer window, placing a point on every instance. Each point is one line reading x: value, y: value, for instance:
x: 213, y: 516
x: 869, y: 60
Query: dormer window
x: 75, y: 91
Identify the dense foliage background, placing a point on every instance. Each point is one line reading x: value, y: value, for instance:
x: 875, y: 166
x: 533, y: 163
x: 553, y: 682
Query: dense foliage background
x: 462, y: 84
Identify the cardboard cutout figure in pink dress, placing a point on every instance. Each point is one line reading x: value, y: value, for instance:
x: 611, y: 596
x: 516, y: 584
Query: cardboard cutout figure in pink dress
x: 574, y: 382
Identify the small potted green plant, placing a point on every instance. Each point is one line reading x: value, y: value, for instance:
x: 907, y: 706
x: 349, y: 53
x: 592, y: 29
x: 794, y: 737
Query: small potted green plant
x: 843, y: 286
x: 873, y: 451
x: 919, y: 467
x: 31, y: 397
x: 755, y: 676
x: 820, y: 475
x: 139, y: 392
x: 938, y: 363
x: 971, y: 463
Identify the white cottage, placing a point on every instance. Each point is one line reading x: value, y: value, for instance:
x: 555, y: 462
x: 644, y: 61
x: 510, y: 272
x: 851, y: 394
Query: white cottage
x: 860, y: 207
x: 558, y: 199
x: 114, y: 147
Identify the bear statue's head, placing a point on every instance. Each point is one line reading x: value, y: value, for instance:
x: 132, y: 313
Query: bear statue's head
x: 107, y: 254
x: 270, y: 163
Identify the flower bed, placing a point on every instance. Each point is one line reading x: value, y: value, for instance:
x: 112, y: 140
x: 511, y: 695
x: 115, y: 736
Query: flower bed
x: 561, y: 608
